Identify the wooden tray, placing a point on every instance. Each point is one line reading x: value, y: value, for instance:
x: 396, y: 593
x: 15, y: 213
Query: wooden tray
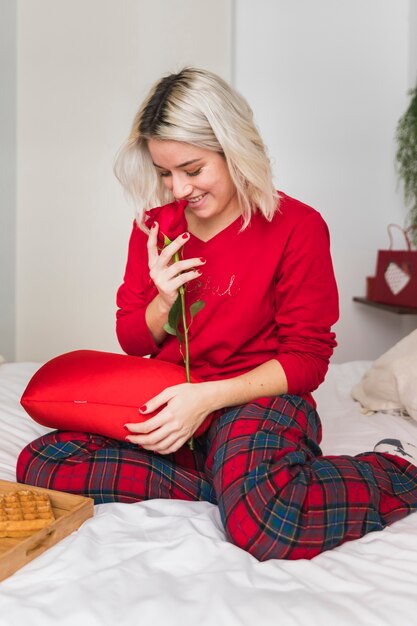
x: 70, y: 512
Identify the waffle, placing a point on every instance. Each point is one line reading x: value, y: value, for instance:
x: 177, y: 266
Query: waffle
x: 24, y: 512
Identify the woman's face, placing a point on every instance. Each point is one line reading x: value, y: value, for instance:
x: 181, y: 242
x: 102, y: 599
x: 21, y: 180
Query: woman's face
x: 197, y: 175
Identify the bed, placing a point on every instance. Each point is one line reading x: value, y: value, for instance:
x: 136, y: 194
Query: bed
x: 168, y: 562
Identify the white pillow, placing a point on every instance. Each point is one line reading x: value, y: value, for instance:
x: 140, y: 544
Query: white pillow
x: 391, y: 382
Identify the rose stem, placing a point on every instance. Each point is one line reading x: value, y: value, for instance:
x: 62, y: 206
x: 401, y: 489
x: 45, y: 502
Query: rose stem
x: 187, y: 353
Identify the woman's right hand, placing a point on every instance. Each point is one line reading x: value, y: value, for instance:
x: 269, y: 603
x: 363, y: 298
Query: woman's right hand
x: 167, y: 274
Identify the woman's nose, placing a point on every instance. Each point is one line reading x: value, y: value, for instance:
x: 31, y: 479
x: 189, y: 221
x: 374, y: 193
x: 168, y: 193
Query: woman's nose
x: 181, y: 188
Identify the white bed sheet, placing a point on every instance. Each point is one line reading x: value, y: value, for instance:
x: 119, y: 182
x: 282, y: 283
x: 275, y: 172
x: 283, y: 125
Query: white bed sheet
x: 168, y: 563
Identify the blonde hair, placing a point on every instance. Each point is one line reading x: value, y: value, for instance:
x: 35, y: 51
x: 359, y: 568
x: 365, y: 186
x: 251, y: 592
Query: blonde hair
x: 199, y: 108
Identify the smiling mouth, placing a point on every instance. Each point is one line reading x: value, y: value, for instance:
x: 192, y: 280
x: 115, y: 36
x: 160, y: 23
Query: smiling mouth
x: 196, y: 198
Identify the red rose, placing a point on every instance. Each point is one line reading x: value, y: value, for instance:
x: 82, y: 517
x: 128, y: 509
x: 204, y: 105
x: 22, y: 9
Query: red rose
x: 172, y: 223
x: 171, y: 220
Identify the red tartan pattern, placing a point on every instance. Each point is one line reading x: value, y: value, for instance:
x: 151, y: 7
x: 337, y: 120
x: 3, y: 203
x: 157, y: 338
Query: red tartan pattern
x: 261, y: 463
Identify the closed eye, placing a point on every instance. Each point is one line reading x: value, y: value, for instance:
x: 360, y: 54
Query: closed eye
x: 195, y: 172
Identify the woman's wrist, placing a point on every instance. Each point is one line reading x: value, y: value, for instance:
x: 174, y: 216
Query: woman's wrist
x: 267, y: 379
x: 156, y: 315
x: 228, y: 392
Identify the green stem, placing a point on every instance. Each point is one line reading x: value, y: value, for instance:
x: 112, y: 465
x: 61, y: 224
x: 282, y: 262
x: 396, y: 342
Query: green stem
x: 187, y: 353
x: 184, y: 323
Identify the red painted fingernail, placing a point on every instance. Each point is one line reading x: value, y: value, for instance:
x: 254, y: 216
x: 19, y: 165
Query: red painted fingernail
x: 126, y: 428
x: 154, y: 225
x: 202, y: 260
x: 185, y: 236
x: 143, y: 408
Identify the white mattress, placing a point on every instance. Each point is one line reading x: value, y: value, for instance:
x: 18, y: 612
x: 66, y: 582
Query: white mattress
x: 168, y: 563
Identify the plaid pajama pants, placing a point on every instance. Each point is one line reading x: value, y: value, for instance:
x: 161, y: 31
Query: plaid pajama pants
x: 261, y: 463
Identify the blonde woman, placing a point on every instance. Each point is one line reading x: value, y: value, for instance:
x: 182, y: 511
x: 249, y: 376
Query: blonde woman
x: 260, y: 262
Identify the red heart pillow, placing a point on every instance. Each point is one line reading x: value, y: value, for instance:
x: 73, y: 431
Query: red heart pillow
x: 98, y: 392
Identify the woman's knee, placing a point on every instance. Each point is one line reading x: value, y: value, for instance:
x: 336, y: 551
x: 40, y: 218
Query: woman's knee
x: 24, y: 464
x: 264, y: 542
x: 259, y: 541
x: 41, y: 457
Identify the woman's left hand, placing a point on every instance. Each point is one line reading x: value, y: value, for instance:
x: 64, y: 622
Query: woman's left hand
x: 187, y: 405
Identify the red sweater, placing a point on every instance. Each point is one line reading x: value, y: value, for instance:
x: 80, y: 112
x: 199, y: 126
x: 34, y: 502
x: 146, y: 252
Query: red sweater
x: 270, y: 293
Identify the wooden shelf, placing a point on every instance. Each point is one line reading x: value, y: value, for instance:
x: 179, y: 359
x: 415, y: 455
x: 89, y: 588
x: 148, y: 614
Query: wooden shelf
x: 392, y: 308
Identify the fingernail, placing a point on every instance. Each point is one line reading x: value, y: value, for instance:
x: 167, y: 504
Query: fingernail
x: 198, y: 272
x: 143, y: 408
x: 202, y: 260
x: 126, y: 428
x: 185, y: 236
x: 154, y: 225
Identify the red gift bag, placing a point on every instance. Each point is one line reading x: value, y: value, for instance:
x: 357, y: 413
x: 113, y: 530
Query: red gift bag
x: 395, y: 281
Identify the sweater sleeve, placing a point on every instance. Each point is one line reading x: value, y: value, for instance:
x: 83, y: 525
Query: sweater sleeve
x: 306, y: 305
x: 132, y: 331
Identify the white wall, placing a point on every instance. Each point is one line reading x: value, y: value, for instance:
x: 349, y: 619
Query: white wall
x: 412, y: 74
x: 328, y: 81
x: 83, y: 68
x: 7, y: 177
